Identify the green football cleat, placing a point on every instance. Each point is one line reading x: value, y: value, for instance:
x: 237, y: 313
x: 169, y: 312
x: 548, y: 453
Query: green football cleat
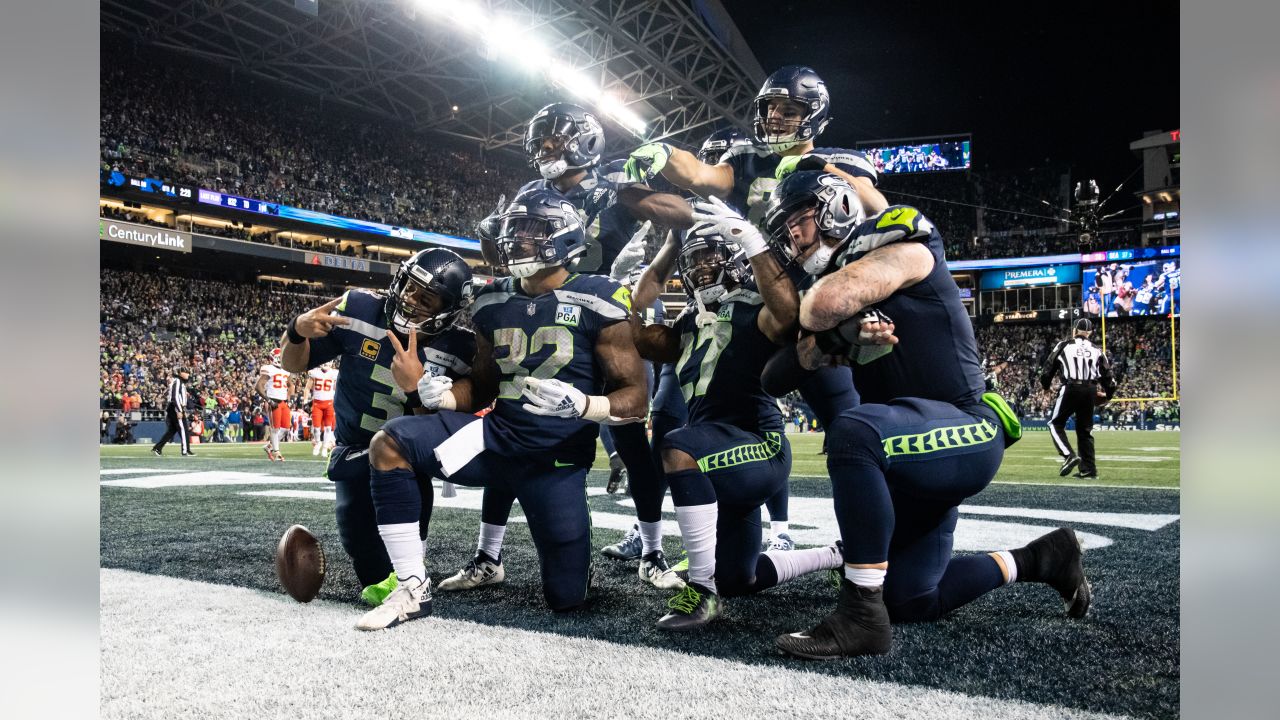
x: 375, y: 594
x: 692, y: 608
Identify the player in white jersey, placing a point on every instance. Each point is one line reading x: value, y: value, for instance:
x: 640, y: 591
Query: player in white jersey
x: 273, y: 384
x: 322, y: 381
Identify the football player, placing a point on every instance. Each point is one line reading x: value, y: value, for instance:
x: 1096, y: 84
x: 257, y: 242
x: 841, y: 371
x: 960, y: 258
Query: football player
x: 926, y: 436
x: 549, y: 344
x: 322, y: 381
x: 1169, y: 285
x: 273, y: 386
x: 1142, y: 300
x: 733, y: 455
x: 420, y: 308
x: 564, y: 144
x: 791, y: 111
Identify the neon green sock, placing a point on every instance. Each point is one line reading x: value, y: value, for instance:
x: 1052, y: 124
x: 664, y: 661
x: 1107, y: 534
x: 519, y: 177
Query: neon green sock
x: 375, y: 594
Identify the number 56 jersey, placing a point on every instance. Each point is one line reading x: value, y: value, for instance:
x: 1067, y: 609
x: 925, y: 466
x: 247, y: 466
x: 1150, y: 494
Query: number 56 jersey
x: 551, y: 336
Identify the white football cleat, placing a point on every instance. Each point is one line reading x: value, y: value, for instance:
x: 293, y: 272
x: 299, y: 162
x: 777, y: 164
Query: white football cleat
x: 655, y: 570
x: 315, y: 449
x: 481, y: 570
x: 411, y: 599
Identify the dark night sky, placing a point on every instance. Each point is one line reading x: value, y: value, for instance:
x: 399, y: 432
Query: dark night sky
x: 1036, y: 83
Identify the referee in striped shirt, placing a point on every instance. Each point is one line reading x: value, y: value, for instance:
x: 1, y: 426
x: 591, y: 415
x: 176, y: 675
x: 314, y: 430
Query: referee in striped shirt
x: 175, y: 414
x: 1086, y: 379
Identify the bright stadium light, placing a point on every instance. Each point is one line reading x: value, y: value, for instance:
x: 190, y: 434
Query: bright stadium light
x: 501, y: 37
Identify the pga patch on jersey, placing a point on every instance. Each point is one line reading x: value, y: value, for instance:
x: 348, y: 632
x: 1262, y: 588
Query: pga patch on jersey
x: 567, y: 314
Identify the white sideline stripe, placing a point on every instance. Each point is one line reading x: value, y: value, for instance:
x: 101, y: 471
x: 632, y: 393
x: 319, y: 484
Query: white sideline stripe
x: 1123, y: 458
x: 302, y: 494
x: 1087, y: 485
x: 210, y: 477
x: 227, y: 652
x: 1135, y: 521
x: 132, y: 471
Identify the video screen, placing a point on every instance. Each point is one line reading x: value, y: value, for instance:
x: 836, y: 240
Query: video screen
x: 927, y: 157
x: 1120, y: 289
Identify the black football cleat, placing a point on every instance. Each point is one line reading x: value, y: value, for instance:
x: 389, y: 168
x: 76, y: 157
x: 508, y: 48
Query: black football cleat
x: 156, y: 452
x: 1068, y: 465
x: 859, y: 626
x: 1056, y: 560
x: 1090, y: 475
x: 692, y: 608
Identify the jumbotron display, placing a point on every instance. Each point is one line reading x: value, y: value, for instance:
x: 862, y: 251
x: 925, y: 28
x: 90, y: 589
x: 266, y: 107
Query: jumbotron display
x: 928, y: 156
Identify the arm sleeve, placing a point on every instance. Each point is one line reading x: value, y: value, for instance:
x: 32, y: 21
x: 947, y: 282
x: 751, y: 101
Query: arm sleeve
x: 1051, y: 365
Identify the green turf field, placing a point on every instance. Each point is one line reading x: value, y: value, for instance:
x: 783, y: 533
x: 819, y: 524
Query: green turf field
x: 1148, y: 459
x: 216, y: 518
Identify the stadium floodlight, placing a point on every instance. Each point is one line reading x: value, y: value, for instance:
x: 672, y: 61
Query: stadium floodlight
x: 503, y: 38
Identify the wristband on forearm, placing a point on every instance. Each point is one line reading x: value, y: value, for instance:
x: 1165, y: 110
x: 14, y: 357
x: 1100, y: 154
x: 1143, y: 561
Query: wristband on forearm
x: 412, y: 400
x: 292, y: 331
x: 597, y: 410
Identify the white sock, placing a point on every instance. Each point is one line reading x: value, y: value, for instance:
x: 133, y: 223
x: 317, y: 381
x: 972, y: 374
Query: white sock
x: 491, y: 539
x: 650, y: 537
x: 777, y: 526
x: 790, y: 564
x: 1009, y: 565
x: 275, y: 440
x: 404, y: 546
x: 698, y: 528
x: 315, y: 436
x: 328, y: 437
x: 865, y: 577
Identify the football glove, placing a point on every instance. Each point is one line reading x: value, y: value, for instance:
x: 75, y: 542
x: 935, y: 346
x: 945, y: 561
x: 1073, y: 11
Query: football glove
x: 553, y: 398
x: 631, y: 255
x: 798, y: 163
x: 432, y: 391
x: 646, y: 161
x: 725, y: 221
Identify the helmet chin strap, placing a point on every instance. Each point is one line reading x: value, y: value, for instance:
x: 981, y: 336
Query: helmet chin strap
x: 819, y: 260
x: 554, y: 169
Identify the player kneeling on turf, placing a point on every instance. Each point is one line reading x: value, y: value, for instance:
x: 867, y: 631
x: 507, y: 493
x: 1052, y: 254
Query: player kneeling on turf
x: 548, y: 343
x: 926, y: 436
x: 733, y: 455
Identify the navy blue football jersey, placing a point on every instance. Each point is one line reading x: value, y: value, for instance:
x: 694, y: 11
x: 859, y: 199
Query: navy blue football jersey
x: 610, y: 225
x: 549, y: 336
x: 754, y: 167
x: 721, y: 362
x: 367, y: 395
x: 936, y: 357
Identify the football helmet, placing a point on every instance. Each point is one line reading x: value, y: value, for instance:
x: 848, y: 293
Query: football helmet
x: 718, y: 143
x: 539, y: 229
x: 710, y: 266
x: 837, y: 212
x: 801, y: 84
x: 437, y: 271
x: 578, y: 134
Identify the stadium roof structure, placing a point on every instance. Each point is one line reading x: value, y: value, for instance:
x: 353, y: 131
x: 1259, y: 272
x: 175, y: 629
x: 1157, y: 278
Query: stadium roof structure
x: 680, y: 65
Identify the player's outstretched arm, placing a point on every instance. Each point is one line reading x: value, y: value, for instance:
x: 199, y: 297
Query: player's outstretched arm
x: 656, y: 342
x: 659, y: 208
x: 780, y: 317
x: 295, y: 344
x: 863, y: 283
x: 685, y: 170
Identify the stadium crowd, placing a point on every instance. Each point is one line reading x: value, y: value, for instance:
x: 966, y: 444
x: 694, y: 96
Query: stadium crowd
x: 151, y: 324
x: 190, y: 122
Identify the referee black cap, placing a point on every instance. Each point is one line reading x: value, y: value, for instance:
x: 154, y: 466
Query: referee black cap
x: 1083, y: 325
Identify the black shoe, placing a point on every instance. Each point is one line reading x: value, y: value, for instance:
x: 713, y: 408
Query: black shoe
x: 1056, y: 560
x: 1093, y: 475
x: 692, y: 608
x: 859, y: 626
x: 616, y: 471
x: 188, y: 454
x: 1068, y: 465
x: 156, y: 452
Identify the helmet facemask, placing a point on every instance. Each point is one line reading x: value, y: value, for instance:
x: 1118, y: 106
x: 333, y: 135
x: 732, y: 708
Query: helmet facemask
x: 705, y: 269
x: 783, y: 122
x: 525, y: 244
x: 421, y: 308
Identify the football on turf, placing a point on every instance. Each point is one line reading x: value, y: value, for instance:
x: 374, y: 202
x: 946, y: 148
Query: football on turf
x: 300, y: 563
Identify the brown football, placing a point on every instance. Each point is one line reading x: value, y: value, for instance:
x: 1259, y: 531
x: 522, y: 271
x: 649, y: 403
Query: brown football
x: 300, y: 563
